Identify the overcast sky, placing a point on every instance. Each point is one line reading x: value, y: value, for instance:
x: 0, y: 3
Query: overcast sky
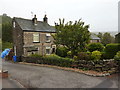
x: 102, y: 15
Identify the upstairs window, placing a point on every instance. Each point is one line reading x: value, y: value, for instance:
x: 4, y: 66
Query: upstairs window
x: 36, y: 37
x: 48, y: 37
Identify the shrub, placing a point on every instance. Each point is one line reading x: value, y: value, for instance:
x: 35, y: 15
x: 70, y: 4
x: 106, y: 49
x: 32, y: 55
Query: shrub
x: 111, y: 50
x: 117, y: 56
x: 59, y: 61
x: 33, y: 58
x: 6, y: 45
x: 103, y: 56
x: 35, y: 55
x: 75, y: 58
x: 95, y: 46
x: 96, y: 55
x: 69, y: 54
x: 61, y: 51
x: 83, y: 56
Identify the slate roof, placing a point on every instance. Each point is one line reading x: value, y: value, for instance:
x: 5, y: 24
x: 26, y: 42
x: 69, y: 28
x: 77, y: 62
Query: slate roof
x: 28, y: 25
x: 94, y: 37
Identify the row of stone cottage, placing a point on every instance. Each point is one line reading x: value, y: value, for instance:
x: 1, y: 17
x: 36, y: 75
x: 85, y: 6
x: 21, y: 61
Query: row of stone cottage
x: 33, y: 36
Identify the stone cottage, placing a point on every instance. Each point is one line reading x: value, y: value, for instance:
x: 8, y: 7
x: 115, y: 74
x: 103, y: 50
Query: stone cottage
x: 94, y: 38
x: 33, y: 37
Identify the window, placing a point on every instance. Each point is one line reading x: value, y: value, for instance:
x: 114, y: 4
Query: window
x: 48, y: 37
x: 36, y: 37
x: 48, y: 50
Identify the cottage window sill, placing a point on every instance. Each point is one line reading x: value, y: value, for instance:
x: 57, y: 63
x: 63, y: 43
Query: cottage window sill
x: 48, y: 41
x: 36, y: 42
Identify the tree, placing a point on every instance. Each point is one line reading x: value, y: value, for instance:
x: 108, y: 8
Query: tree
x: 95, y: 46
x: 6, y: 28
x: 74, y: 36
x: 100, y: 35
x: 107, y: 38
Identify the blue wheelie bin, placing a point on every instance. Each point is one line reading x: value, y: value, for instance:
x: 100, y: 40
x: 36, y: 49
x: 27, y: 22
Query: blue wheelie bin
x: 15, y: 58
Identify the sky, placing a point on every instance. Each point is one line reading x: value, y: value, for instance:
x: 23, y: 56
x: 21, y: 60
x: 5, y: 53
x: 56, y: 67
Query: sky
x: 101, y: 15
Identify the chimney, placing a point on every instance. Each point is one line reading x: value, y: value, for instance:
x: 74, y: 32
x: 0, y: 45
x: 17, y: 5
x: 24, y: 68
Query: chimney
x: 45, y: 19
x: 34, y: 20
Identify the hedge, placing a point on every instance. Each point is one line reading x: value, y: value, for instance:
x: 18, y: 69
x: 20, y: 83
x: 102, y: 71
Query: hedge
x: 111, y: 50
x: 95, y: 46
x: 50, y: 60
x: 100, y: 66
x: 61, y: 51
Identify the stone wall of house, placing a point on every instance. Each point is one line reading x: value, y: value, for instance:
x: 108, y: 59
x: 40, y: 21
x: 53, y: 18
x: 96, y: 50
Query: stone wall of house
x: 17, y: 39
x: 94, y: 41
x: 28, y: 43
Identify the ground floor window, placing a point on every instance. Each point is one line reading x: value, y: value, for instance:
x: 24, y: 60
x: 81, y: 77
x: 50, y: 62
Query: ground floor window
x: 31, y: 50
x: 48, y: 50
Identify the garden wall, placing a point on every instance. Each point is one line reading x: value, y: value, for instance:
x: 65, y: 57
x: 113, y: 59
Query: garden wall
x: 110, y: 66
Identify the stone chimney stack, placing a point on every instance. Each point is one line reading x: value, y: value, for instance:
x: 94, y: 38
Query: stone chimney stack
x: 45, y: 19
x: 34, y: 20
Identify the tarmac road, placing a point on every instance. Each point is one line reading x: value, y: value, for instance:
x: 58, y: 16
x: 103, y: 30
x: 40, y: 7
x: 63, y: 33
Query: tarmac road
x: 9, y: 83
x: 45, y: 77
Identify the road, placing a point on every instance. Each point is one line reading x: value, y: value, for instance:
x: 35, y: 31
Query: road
x: 45, y: 77
x: 10, y: 83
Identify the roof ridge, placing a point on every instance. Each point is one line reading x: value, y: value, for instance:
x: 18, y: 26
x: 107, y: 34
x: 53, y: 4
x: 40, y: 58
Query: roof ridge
x: 26, y: 24
x: 27, y: 19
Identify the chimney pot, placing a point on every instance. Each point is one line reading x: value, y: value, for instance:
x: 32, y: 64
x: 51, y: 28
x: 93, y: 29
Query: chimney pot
x: 45, y: 19
x: 34, y: 20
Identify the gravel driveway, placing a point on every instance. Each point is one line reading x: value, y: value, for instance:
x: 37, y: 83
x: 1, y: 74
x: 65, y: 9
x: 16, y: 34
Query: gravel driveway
x: 44, y: 77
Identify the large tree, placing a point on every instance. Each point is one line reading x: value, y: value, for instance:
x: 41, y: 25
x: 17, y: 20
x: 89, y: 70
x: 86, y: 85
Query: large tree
x: 74, y: 36
x: 6, y: 28
x: 107, y: 38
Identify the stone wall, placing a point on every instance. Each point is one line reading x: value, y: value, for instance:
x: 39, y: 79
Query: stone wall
x: 17, y: 39
x: 109, y: 66
x: 28, y: 42
x: 100, y: 66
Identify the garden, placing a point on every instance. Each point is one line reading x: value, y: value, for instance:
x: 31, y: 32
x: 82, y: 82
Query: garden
x: 97, y: 58
x: 75, y: 50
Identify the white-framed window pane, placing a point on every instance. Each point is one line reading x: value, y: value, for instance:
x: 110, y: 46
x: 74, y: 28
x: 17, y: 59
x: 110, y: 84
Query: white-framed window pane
x: 47, y: 51
x: 48, y: 37
x: 36, y: 38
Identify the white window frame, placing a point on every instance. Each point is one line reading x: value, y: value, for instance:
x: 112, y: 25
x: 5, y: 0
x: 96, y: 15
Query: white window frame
x: 48, y: 37
x: 36, y: 35
x: 48, y: 48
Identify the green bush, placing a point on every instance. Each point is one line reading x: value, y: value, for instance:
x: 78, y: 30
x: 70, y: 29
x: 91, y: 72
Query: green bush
x: 117, y: 56
x: 111, y: 50
x: 96, y: 55
x: 59, y: 61
x: 34, y: 58
x: 84, y: 56
x: 95, y: 46
x: 61, y: 51
x: 103, y: 56
x: 6, y: 45
x: 75, y: 58
x: 35, y: 55
x: 69, y: 54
